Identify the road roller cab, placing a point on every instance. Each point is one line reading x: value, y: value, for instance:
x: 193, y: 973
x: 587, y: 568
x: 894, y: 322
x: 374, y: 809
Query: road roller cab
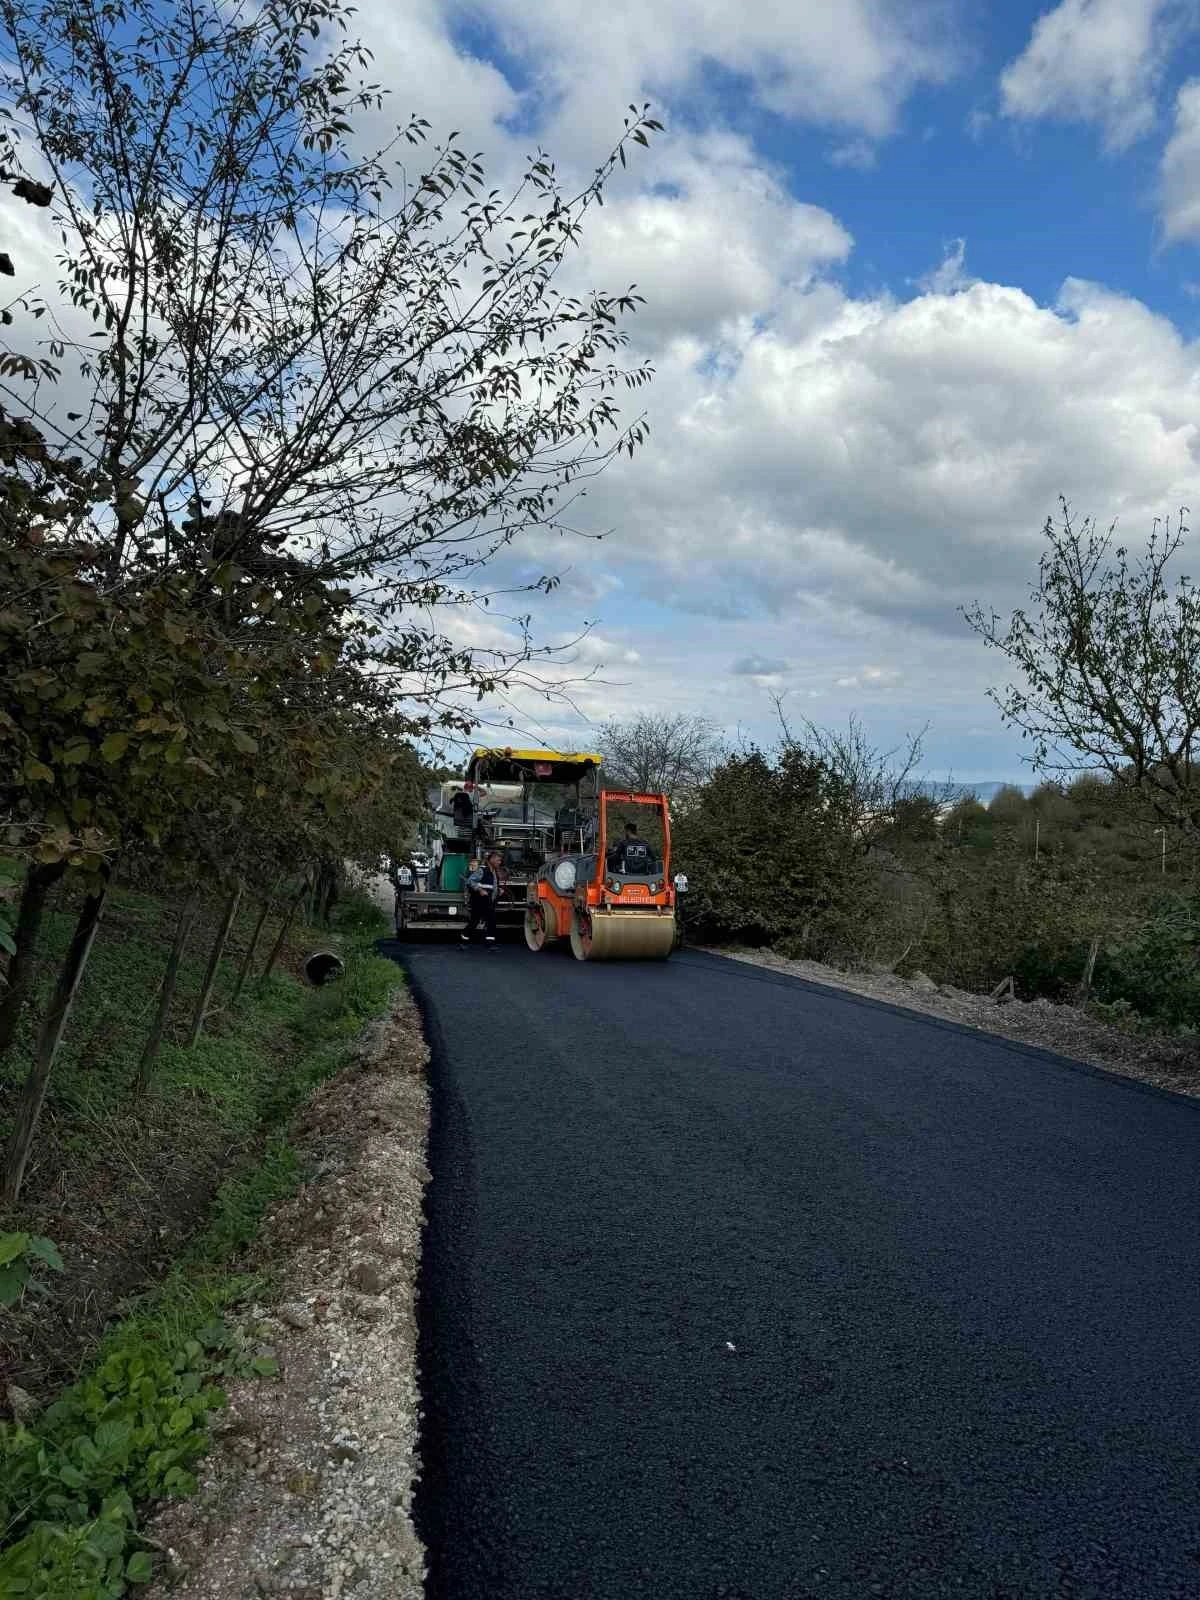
x: 607, y: 912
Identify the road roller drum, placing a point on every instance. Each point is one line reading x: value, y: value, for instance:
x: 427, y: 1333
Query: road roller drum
x: 603, y: 935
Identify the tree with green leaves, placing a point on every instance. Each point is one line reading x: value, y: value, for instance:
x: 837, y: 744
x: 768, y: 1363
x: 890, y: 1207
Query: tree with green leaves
x: 299, y: 397
x: 223, y: 722
x: 771, y: 854
x: 328, y: 355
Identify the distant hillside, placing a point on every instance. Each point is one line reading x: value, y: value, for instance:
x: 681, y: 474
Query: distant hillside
x: 983, y: 792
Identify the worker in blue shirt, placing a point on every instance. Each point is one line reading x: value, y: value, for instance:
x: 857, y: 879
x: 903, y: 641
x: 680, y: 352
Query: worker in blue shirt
x: 483, y: 891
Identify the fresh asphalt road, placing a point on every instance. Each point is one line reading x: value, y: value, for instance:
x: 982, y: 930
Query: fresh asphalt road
x: 738, y: 1286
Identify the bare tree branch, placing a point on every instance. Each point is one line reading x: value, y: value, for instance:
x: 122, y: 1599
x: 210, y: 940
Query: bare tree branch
x: 1108, y: 663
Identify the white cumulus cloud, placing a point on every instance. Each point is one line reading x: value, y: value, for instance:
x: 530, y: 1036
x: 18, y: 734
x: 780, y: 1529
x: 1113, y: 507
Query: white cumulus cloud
x: 710, y: 244
x: 1098, y: 61
x: 849, y: 66
x: 1181, y: 167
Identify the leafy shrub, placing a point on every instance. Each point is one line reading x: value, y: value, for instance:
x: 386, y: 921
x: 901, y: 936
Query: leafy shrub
x: 132, y: 1430
x: 88, y: 1562
x: 1050, y: 971
x: 21, y: 1256
x: 1155, y: 967
x: 773, y: 857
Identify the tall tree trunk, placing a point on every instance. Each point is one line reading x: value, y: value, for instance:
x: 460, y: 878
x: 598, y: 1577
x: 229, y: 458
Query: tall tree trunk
x: 247, y: 959
x: 277, y: 948
x: 29, y: 1107
x: 166, y: 993
x: 214, y: 961
x: 39, y: 880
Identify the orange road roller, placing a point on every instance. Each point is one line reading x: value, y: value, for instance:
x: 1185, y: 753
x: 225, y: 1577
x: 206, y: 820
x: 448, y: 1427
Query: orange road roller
x: 616, y: 902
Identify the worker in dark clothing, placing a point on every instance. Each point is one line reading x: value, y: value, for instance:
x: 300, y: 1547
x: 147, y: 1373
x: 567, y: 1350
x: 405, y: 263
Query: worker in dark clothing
x: 462, y: 809
x: 403, y: 881
x: 483, y: 890
x: 631, y: 854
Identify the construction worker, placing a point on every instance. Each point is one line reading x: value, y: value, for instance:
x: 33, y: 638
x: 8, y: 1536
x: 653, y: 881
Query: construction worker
x: 462, y: 809
x: 681, y: 889
x: 483, y: 890
x: 631, y: 854
x: 473, y: 866
x: 403, y: 881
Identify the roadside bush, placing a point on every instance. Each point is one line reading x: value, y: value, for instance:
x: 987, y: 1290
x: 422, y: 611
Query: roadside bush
x: 826, y: 851
x: 1155, y: 967
x: 998, y: 914
x: 1051, y: 973
x: 774, y: 857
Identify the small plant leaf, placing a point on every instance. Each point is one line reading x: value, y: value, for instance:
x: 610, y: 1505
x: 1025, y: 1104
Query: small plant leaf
x: 140, y: 1567
x: 12, y: 1245
x: 12, y: 1283
x: 46, y: 1250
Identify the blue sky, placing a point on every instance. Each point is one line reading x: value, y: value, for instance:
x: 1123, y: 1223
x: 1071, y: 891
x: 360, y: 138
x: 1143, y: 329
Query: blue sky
x: 914, y: 268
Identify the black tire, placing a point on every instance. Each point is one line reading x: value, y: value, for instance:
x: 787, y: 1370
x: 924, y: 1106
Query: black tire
x: 537, y: 937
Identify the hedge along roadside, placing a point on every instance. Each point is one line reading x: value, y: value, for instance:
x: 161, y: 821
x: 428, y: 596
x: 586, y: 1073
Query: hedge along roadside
x: 73, y: 1478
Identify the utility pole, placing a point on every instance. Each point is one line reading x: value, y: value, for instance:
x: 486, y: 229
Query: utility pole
x: 1037, y: 838
x: 1163, y: 870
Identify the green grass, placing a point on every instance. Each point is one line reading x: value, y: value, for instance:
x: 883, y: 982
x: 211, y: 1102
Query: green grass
x: 131, y: 1428
x: 103, y: 1045
x: 162, y: 1151
x: 224, y: 1071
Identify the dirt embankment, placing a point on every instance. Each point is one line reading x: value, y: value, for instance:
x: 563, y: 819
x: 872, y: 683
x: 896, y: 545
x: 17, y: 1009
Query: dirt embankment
x: 308, y: 1491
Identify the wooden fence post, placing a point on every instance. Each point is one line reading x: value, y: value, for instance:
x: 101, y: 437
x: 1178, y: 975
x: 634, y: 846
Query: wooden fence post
x: 1085, y: 988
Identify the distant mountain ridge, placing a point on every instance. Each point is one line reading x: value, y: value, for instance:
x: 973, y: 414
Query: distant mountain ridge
x: 983, y: 792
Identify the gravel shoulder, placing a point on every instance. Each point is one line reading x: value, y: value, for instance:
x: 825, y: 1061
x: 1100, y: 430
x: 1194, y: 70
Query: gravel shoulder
x: 1066, y: 1030
x: 308, y: 1490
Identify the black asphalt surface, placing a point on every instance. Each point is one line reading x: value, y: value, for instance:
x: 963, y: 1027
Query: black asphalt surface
x: 740, y: 1287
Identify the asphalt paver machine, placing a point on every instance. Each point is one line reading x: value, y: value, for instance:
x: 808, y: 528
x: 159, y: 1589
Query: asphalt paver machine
x: 528, y: 805
x: 587, y: 896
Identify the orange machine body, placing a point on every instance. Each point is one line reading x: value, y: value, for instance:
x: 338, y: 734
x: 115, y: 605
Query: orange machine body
x: 606, y: 914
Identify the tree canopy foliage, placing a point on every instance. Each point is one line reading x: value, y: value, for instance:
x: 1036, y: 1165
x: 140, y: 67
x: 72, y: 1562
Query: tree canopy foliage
x: 294, y: 388
x: 275, y: 344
